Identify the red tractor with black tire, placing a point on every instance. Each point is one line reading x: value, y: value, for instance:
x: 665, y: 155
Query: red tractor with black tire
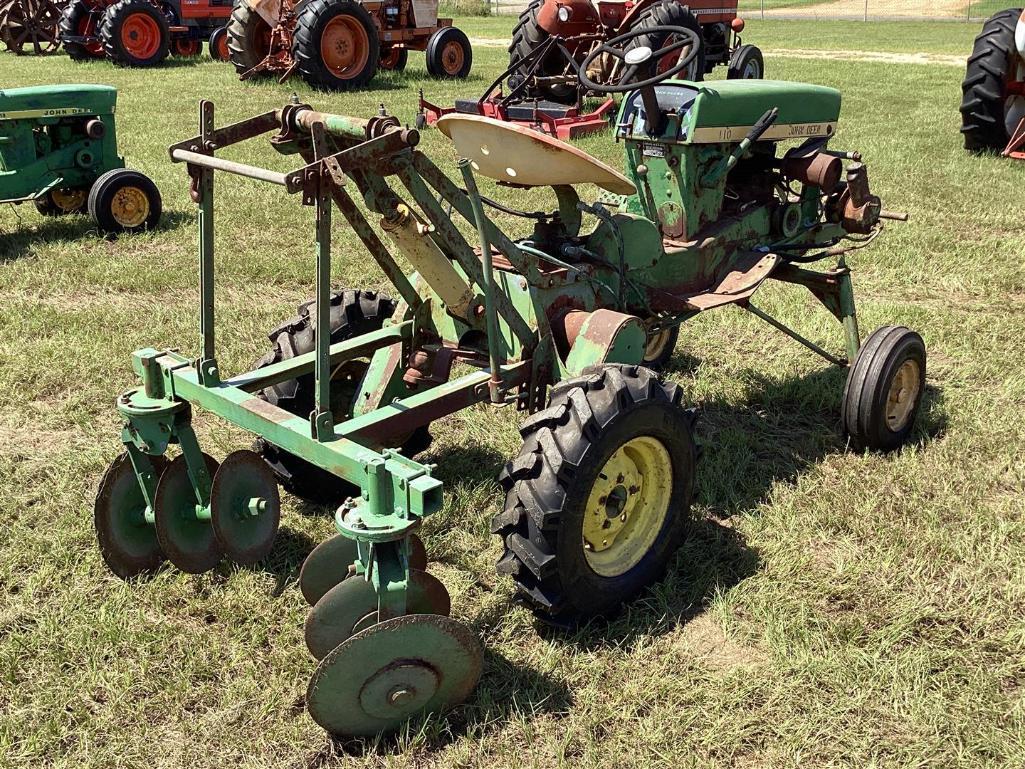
x: 582, y: 25
x: 339, y: 45
x: 140, y: 33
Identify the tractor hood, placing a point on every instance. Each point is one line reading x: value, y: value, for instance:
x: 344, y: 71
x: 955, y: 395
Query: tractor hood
x: 56, y: 101
x: 725, y: 111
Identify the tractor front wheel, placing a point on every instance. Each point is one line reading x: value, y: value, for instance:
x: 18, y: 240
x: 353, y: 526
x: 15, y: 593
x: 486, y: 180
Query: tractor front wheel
x: 218, y: 45
x: 352, y: 313
x: 598, y: 498
x: 449, y: 54
x: 884, y: 389
x: 746, y: 63
x: 60, y: 202
x: 248, y: 38
x: 336, y: 46
x: 987, y: 117
x: 79, y: 20
x: 135, y: 34
x: 124, y: 201
x: 186, y: 48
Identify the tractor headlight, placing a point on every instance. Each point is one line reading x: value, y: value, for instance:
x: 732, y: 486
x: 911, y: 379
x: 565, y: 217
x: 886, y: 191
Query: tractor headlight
x: 564, y: 14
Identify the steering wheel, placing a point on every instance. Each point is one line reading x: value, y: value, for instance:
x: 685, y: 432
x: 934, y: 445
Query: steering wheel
x: 636, y: 58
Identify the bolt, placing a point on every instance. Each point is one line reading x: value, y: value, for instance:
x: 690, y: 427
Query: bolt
x: 623, y: 517
x: 620, y: 478
x: 603, y: 500
x: 401, y: 695
x: 634, y: 489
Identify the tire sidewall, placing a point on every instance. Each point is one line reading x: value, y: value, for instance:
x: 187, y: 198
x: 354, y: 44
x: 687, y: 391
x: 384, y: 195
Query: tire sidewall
x: 111, y: 33
x: 102, y: 195
x: 589, y: 592
x: 435, y: 47
x: 315, y: 70
x: 739, y: 61
x: 908, y: 347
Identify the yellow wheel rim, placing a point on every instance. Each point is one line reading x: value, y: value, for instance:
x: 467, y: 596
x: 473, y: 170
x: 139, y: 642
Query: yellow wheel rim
x: 627, y: 506
x: 130, y: 207
x: 656, y: 343
x: 68, y: 200
x: 904, y: 391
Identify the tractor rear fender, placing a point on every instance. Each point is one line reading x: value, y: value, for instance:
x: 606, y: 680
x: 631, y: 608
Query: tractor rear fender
x: 602, y: 336
x: 583, y: 16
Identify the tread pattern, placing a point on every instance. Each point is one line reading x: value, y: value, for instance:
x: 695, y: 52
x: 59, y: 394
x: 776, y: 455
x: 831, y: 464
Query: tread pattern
x: 669, y: 13
x: 984, y: 87
x: 242, y: 30
x: 306, y: 44
x: 68, y: 27
x: 555, y: 444
x: 526, y: 36
x: 110, y: 32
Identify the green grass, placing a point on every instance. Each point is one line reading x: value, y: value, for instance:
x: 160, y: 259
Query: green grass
x: 828, y: 608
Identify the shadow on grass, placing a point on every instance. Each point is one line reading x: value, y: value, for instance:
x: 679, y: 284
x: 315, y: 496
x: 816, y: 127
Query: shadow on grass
x: 34, y: 230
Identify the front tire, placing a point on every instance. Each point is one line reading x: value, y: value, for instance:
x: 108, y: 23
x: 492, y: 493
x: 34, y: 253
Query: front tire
x: 598, y: 498
x: 884, y: 389
x: 135, y: 34
x: 984, y: 120
x: 746, y: 63
x: 124, y: 201
x: 218, y: 45
x: 449, y: 54
x: 336, y: 45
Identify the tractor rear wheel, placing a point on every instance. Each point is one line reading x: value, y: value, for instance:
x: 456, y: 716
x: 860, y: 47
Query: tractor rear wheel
x: 352, y: 313
x: 598, y: 498
x: 884, y: 389
x: 63, y: 201
x: 218, y: 45
x: 248, y: 38
x: 528, y: 35
x: 336, y: 45
x: 985, y: 102
x: 668, y: 13
x: 135, y: 34
x: 124, y: 201
x: 77, y: 20
x: 449, y: 54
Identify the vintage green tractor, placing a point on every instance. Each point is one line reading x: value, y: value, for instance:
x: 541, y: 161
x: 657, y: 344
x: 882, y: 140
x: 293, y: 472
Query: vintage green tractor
x: 58, y: 149
x: 564, y: 322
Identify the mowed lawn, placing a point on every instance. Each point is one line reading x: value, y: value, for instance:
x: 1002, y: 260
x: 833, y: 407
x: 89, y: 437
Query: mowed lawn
x: 829, y: 608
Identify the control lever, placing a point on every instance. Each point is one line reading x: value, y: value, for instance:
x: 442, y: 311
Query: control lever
x: 765, y: 122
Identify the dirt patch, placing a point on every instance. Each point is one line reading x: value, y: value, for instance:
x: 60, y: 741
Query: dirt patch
x: 702, y: 639
x: 919, y: 9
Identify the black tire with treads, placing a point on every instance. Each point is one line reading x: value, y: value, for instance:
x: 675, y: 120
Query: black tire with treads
x: 667, y: 13
x: 71, y: 19
x: 984, y: 90
x: 526, y: 36
x: 310, y: 25
x: 352, y: 313
x: 547, y: 485
x: 112, y: 33
x: 863, y: 409
x: 248, y: 38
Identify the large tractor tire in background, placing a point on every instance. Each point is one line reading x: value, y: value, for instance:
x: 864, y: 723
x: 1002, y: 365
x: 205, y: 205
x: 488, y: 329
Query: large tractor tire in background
x: 668, y: 13
x: 336, y: 45
x: 135, y: 34
x: 984, y: 107
x: 248, y: 38
x: 76, y: 20
x: 352, y: 313
x: 526, y: 36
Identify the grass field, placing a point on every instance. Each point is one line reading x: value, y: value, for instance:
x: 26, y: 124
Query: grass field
x: 829, y: 608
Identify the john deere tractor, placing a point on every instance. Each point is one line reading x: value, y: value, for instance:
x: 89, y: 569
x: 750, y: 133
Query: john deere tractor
x: 58, y: 149
x: 567, y: 320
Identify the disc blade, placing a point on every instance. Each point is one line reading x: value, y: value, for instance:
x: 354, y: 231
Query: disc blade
x: 351, y: 606
x: 187, y: 541
x: 127, y: 542
x: 384, y: 675
x: 245, y: 529
x: 328, y: 564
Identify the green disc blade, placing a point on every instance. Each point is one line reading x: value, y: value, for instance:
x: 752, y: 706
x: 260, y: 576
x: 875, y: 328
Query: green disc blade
x: 329, y: 564
x: 127, y: 542
x: 351, y: 606
x: 390, y: 672
x: 245, y: 507
x: 187, y: 540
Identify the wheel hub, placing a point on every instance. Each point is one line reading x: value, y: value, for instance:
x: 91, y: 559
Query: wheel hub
x: 903, y: 395
x: 130, y: 207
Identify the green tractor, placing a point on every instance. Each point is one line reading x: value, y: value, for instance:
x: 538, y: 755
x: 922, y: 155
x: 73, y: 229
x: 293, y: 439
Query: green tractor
x: 567, y: 322
x: 58, y: 149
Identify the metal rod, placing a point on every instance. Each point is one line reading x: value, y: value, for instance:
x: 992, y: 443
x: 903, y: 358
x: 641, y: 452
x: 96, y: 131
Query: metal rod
x: 205, y: 184
x: 323, y: 422
x: 495, y: 383
x: 239, y: 169
x: 794, y: 335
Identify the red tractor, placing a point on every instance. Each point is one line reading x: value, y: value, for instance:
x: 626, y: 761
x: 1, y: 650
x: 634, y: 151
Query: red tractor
x: 339, y: 45
x: 142, y: 33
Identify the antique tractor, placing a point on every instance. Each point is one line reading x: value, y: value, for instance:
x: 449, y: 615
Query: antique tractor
x: 58, y: 149
x: 141, y: 33
x: 340, y: 44
x: 541, y: 87
x: 993, y: 107
x: 30, y: 26
x: 565, y: 322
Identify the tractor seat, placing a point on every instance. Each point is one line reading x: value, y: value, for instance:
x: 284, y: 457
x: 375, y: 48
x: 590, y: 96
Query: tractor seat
x: 515, y: 154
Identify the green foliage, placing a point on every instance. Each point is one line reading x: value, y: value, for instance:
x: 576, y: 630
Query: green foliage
x: 465, y: 8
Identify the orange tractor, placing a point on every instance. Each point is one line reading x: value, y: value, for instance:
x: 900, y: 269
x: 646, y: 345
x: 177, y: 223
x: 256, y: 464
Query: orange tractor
x: 339, y: 45
x: 142, y: 33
